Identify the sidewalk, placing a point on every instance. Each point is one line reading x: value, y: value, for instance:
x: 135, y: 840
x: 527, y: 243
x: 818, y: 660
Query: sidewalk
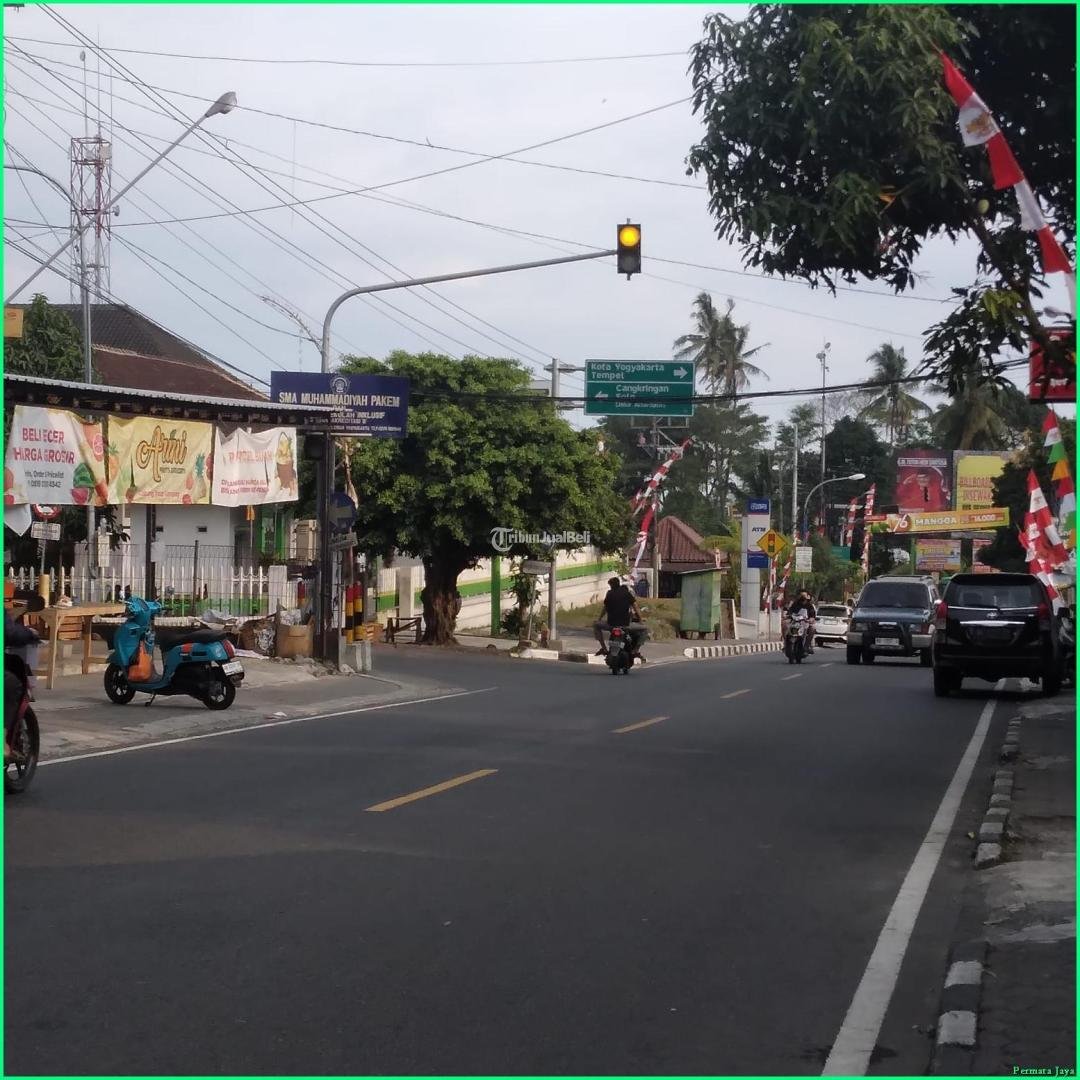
x: 77, y: 718
x: 1022, y: 911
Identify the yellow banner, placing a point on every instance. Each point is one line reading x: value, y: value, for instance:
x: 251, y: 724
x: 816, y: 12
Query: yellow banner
x: 994, y: 517
x: 975, y: 476
x: 163, y: 462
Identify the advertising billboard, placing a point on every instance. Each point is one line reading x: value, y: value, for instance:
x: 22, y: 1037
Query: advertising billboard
x: 923, y: 481
x: 1053, y: 382
x: 974, y: 473
x: 993, y: 517
x: 931, y: 555
x: 980, y: 567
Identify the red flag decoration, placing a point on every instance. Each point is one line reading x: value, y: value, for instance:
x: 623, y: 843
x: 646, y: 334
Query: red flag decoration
x: 1046, y: 535
x: 868, y: 509
x: 849, y: 527
x: 657, y: 478
x: 788, y: 567
x: 643, y: 533
x: 978, y: 128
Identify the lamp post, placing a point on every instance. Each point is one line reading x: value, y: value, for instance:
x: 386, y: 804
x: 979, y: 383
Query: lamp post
x: 224, y: 104
x: 832, y: 480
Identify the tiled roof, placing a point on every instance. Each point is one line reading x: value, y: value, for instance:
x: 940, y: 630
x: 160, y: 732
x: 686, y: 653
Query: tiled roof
x: 680, y: 546
x: 132, y: 351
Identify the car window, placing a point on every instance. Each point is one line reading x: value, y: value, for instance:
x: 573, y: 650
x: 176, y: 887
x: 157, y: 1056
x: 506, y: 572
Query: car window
x: 902, y: 594
x: 1022, y: 594
x: 833, y: 611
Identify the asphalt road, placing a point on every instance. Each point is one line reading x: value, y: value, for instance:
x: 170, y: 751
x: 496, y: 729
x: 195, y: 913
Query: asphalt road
x: 699, y: 892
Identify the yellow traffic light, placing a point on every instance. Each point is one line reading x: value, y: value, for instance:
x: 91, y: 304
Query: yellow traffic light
x: 628, y: 250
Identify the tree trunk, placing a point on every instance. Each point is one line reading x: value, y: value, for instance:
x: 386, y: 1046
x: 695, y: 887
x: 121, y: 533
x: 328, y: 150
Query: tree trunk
x: 441, y: 599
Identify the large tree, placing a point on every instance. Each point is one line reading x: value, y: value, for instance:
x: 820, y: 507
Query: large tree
x: 831, y: 152
x: 891, y: 405
x: 481, y: 453
x: 50, y: 346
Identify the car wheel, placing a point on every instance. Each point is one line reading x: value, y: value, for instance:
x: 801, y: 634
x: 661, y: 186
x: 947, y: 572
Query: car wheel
x: 868, y: 657
x: 854, y: 654
x: 944, y: 682
x: 926, y: 658
x: 1051, y: 684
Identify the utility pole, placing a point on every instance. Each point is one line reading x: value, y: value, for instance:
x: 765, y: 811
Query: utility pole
x: 656, y: 519
x: 823, y: 356
x: 553, y: 585
x: 795, y: 486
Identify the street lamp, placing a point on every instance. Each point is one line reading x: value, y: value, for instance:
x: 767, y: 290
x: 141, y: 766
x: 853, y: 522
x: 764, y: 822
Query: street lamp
x: 224, y: 104
x: 833, y: 480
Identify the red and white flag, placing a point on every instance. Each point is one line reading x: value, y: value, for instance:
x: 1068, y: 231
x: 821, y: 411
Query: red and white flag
x: 868, y: 509
x: 978, y: 128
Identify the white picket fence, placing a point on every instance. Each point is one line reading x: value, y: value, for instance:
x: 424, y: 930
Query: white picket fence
x: 181, y: 590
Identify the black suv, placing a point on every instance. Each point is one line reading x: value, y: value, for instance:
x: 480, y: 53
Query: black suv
x: 894, y: 616
x: 995, y: 626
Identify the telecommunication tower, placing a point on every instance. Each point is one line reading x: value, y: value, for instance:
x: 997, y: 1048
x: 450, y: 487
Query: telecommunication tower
x: 91, y: 191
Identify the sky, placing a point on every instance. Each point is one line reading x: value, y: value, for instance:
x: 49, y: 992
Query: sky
x: 428, y: 74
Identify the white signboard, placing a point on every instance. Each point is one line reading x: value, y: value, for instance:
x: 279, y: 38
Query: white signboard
x: 43, y: 530
x: 804, y: 559
x: 255, y: 467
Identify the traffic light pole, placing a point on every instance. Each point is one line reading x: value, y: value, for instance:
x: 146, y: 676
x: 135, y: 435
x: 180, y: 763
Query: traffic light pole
x: 323, y: 591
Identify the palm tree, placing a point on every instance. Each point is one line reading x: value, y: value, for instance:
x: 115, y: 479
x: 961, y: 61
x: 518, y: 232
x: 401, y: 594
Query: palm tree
x: 972, y: 420
x: 893, y: 407
x: 718, y: 347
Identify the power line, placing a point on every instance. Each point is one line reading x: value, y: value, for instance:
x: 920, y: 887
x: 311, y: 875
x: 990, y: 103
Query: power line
x: 511, y: 231
x: 370, y: 63
x: 263, y: 231
x: 207, y: 138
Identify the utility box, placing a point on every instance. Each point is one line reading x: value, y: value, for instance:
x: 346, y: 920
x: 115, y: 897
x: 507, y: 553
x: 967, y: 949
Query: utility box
x: 701, y: 602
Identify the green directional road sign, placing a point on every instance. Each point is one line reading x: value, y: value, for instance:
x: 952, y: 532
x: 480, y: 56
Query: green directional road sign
x: 639, y: 388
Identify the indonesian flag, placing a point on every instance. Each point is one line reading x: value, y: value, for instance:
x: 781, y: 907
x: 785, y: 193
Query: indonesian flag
x: 788, y: 567
x: 1039, y: 513
x: 849, y: 527
x: 656, y: 479
x: 978, y: 128
x: 643, y: 533
x: 1051, y: 429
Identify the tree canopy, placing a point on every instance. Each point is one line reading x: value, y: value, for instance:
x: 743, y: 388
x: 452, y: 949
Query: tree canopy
x: 50, y: 347
x: 831, y: 151
x: 482, y: 452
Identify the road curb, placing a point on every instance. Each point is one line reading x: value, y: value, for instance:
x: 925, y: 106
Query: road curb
x: 711, y: 652
x: 958, y: 1015
x: 994, y: 828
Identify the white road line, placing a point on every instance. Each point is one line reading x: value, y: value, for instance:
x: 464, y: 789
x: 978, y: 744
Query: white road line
x: 259, y: 727
x: 797, y: 675
x: 850, y: 1055
x: 829, y: 664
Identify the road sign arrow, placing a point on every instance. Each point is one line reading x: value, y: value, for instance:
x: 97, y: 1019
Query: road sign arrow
x: 600, y: 394
x: 680, y: 373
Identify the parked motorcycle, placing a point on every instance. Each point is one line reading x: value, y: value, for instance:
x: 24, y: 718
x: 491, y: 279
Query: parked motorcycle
x: 620, y: 651
x: 795, y: 638
x: 198, y: 663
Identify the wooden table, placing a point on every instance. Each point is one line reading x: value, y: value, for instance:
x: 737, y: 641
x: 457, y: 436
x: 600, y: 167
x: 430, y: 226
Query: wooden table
x: 57, y: 621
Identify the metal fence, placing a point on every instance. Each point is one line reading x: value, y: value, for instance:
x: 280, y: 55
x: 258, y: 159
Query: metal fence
x: 188, y: 580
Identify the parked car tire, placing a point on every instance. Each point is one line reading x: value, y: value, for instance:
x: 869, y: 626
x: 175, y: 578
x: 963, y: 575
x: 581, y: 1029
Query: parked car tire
x: 926, y: 658
x: 1051, y: 683
x: 854, y: 654
x: 946, y: 681
x: 868, y: 657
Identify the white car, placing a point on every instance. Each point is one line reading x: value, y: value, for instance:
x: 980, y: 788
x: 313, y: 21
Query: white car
x: 832, y: 623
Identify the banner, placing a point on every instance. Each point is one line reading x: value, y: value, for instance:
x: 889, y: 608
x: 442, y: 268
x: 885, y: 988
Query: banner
x: 938, y: 555
x: 53, y: 458
x: 159, y: 462
x: 979, y: 567
x: 975, y: 472
x: 923, y: 480
x: 994, y: 517
x: 255, y: 467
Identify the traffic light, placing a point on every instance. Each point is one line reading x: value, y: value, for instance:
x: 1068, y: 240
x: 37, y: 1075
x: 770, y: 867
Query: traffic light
x: 628, y: 259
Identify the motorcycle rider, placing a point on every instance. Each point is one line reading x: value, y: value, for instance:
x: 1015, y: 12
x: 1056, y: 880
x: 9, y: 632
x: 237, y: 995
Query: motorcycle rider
x: 620, y: 609
x: 24, y: 642
x: 804, y: 603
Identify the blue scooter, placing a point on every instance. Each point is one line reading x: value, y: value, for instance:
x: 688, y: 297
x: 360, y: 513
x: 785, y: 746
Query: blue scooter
x: 200, y: 663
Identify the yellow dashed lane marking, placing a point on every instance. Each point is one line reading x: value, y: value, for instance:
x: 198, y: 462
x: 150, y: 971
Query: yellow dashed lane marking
x: 635, y: 727
x: 446, y: 785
